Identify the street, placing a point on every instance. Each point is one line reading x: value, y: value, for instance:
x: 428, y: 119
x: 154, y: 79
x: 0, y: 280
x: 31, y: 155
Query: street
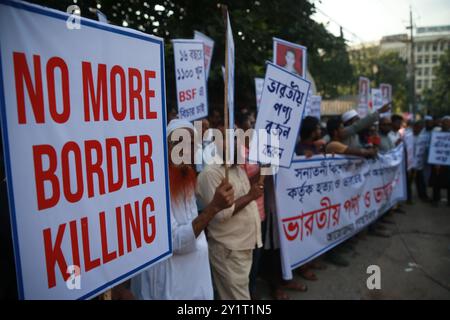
x: 414, y: 262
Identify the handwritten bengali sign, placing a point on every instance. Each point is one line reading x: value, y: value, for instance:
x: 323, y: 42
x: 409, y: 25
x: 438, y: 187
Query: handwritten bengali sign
x: 208, y: 49
x: 440, y: 148
x: 323, y: 201
x: 283, y: 103
x: 190, y: 79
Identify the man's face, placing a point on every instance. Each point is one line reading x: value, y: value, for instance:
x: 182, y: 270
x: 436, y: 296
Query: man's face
x: 417, y: 128
x: 317, y: 134
x: 385, y: 125
x: 290, y: 59
x: 429, y: 124
x: 397, y: 125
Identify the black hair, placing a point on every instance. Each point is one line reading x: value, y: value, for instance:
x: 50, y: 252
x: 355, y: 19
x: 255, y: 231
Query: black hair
x: 309, y: 125
x: 333, y: 124
x: 396, y: 117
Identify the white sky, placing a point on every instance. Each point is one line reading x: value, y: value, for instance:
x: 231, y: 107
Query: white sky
x: 372, y: 19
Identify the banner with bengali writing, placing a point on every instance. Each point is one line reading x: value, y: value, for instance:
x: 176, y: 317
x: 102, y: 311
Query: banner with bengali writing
x: 322, y: 201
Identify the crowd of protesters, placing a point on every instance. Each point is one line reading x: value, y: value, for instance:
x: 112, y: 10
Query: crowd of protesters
x: 224, y: 224
x: 225, y: 230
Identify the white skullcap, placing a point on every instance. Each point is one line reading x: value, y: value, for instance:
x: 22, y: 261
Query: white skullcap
x: 178, y: 124
x: 428, y: 118
x: 350, y: 114
x: 446, y: 118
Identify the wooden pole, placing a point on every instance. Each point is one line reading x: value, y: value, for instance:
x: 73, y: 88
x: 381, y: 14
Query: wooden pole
x: 225, y: 105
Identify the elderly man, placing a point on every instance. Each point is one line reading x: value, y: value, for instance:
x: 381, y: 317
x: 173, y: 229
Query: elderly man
x: 234, y: 232
x: 185, y: 275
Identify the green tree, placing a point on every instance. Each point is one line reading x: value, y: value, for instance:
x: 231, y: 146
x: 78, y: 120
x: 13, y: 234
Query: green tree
x: 437, y: 100
x: 254, y: 25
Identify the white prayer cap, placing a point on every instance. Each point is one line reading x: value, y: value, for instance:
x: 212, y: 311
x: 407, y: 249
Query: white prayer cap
x: 446, y: 118
x: 428, y: 118
x: 350, y: 114
x: 178, y: 124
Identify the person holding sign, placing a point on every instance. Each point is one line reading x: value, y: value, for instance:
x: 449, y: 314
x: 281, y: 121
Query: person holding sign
x: 440, y: 174
x: 335, y: 129
x: 234, y: 232
x: 186, y: 275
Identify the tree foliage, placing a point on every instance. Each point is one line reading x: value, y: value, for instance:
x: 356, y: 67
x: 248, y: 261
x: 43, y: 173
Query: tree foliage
x: 437, y: 100
x: 254, y: 25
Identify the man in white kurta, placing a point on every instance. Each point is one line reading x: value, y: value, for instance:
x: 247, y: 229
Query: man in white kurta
x: 186, y: 275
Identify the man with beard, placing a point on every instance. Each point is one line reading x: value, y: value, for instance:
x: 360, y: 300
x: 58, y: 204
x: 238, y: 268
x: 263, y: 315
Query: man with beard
x: 186, y: 275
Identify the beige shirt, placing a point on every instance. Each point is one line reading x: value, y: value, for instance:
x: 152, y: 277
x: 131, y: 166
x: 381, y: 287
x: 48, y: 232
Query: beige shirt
x: 241, y: 231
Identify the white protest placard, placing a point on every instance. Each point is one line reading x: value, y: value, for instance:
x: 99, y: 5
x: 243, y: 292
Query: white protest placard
x: 324, y: 201
x: 290, y: 56
x: 386, y: 92
x: 278, y: 122
x: 439, y: 148
x: 377, y: 99
x: 208, y: 49
x: 190, y: 79
x: 230, y: 82
x: 85, y: 151
x: 408, y: 139
x: 313, y: 105
x: 364, y: 96
x: 421, y: 147
x: 259, y: 83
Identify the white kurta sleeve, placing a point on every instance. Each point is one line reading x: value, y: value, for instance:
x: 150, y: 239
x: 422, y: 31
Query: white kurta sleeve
x: 183, y: 237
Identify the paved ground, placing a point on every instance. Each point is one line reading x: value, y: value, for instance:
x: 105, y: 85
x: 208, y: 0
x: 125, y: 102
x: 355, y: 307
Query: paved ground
x: 421, y: 236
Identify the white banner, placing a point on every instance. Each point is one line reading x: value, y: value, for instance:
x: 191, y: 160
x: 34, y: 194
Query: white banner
x: 440, y: 148
x: 283, y: 104
x: 259, y: 84
x: 313, y: 105
x: 364, y: 96
x: 190, y: 79
x: 85, y: 151
x: 208, y: 49
x: 290, y: 56
x: 323, y: 201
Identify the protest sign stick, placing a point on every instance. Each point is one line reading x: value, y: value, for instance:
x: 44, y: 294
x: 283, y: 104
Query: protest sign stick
x: 225, y: 105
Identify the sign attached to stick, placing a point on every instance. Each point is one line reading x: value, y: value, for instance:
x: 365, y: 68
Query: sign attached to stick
x: 377, y: 99
x: 364, y: 96
x: 85, y: 151
x: 439, y: 148
x: 283, y: 104
x: 208, y: 49
x: 290, y: 56
x: 190, y: 79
